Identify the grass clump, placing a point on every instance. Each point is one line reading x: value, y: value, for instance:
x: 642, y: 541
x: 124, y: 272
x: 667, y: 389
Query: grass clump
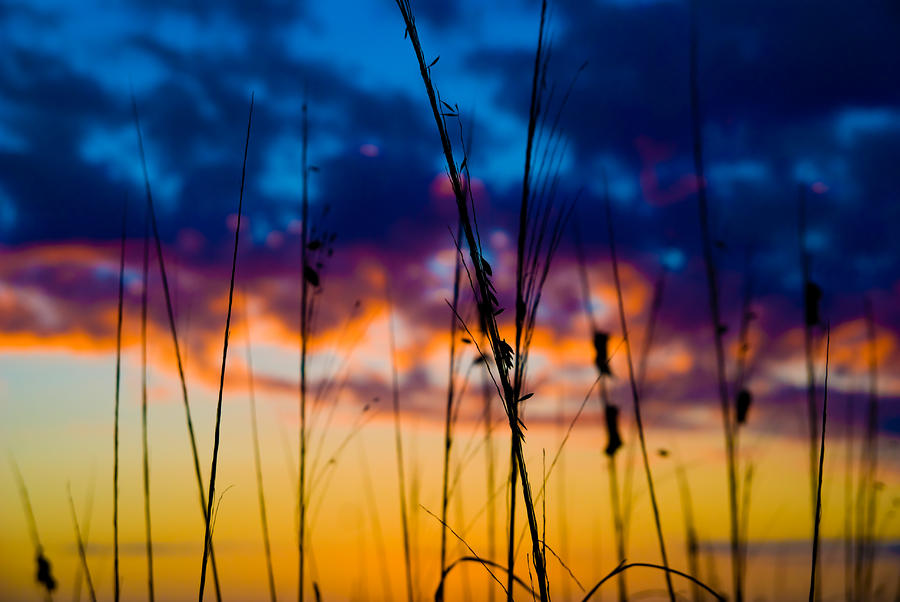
x: 207, y: 538
x: 173, y: 331
x: 539, y: 234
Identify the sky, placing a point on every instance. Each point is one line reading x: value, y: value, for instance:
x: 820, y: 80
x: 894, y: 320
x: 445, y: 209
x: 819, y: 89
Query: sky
x: 797, y: 98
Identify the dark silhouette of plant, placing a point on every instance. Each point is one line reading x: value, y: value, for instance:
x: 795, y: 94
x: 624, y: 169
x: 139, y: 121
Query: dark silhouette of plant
x: 610, y: 413
x: 257, y: 460
x: 44, y: 571
x: 145, y: 449
x: 451, y: 393
x: 115, y: 517
x: 79, y: 540
x: 173, y: 331
x: 215, y: 457
x: 635, y: 397
x: 309, y: 278
x: 815, y: 540
x: 539, y: 235
x: 728, y: 422
x: 867, y: 489
x: 398, y: 443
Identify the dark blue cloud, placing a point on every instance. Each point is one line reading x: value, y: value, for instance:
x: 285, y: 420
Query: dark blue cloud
x: 791, y: 93
x: 71, y: 154
x: 795, y: 92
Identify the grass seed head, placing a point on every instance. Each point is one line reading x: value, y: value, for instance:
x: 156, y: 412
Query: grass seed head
x: 601, y: 350
x: 744, y: 400
x: 44, y: 574
x: 614, y: 438
x: 813, y: 298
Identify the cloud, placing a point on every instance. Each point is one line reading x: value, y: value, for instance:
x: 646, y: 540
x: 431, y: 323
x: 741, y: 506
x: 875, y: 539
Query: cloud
x: 782, y: 104
x: 63, y: 297
x: 789, y: 94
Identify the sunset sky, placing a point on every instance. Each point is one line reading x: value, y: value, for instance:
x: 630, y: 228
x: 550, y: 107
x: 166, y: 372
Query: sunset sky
x: 795, y: 95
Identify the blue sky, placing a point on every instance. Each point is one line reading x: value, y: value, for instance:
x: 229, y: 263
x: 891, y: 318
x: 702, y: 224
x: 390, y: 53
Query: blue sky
x: 792, y: 94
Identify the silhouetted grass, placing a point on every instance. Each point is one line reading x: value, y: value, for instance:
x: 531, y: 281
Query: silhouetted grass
x: 866, y: 505
x: 540, y: 225
x: 315, y: 242
x: 815, y: 539
x: 667, y: 571
x: 327, y: 472
x: 488, y: 564
x: 743, y: 401
x: 849, y: 418
x: 659, y: 287
x: 308, y: 277
x: 511, y: 518
x: 448, y: 418
x: 728, y: 424
x: 88, y: 513
x: 743, y: 396
x: 398, y: 443
x: 439, y: 594
x: 562, y: 505
x: 646, y: 347
x: 744, y: 524
x: 692, y: 541
x: 377, y: 533
x: 538, y: 238
x: 811, y: 295
x: 490, y: 473
x: 172, y: 329
x: 635, y: 397
x: 321, y: 463
x: 472, y: 447
x: 215, y: 456
x: 115, y: 517
x: 81, y: 553
x: 44, y: 573
x: 526, y: 265
x: 610, y: 412
x: 145, y: 449
x: 257, y: 460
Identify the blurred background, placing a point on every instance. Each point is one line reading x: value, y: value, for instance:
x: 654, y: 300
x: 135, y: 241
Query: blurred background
x: 799, y: 100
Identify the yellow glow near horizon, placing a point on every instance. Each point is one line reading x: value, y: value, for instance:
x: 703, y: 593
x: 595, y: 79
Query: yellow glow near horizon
x: 57, y: 440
